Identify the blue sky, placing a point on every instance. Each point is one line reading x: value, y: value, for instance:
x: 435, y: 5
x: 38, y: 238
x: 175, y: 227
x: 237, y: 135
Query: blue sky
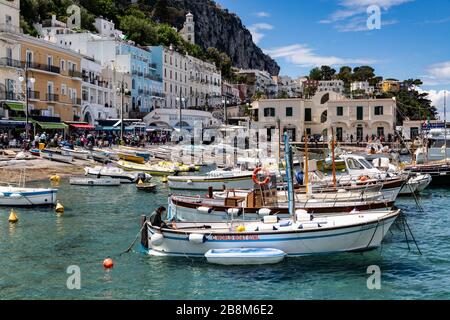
x: 412, y: 42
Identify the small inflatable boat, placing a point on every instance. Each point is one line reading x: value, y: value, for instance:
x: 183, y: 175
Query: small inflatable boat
x: 245, y: 256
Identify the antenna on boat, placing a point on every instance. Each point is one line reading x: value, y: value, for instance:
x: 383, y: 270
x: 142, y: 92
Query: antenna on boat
x: 306, y: 164
x: 289, y: 175
x: 333, y: 163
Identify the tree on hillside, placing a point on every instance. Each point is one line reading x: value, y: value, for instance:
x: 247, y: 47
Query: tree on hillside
x: 138, y: 27
x: 315, y: 74
x: 363, y: 73
x: 327, y: 73
x: 160, y: 10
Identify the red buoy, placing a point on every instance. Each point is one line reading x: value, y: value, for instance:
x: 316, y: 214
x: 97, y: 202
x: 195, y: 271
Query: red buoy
x: 108, y: 263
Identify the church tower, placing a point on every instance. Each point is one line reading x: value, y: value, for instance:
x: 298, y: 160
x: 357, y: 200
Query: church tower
x: 188, y: 31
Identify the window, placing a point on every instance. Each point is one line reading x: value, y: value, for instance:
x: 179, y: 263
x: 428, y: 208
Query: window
x: 63, y: 89
x: 380, y: 132
x: 8, y: 20
x: 339, y: 111
x: 413, y: 133
x: 354, y: 164
x: 379, y: 110
x: 359, y: 113
x: 29, y: 58
x: 308, y: 115
x: 269, y: 112
x: 63, y: 65
x: 289, y: 112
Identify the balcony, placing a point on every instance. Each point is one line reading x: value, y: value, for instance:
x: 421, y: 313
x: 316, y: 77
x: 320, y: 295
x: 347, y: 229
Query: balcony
x: 6, y: 27
x: 8, y: 62
x: 9, y: 95
x: 75, y: 74
x: 42, y: 67
x: 155, y: 78
x: 140, y: 91
x: 140, y: 74
x: 137, y: 114
x: 52, y: 97
x: 76, y: 101
x: 153, y: 65
x: 33, y: 95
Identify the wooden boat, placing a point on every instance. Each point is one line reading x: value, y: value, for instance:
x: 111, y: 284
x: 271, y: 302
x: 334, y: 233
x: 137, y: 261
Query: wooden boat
x: 131, y: 157
x: 75, y: 153
x: 54, y: 156
x: 154, y: 170
x: 22, y: 196
x: 439, y: 172
x: 35, y: 152
x: 253, y: 207
x: 149, y: 187
x: 245, y: 256
x: 134, y: 151
x: 306, y: 235
x: 100, y: 182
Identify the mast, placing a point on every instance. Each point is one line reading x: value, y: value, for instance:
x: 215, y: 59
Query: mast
x: 445, y: 123
x: 306, y: 180
x: 332, y: 158
x: 289, y: 175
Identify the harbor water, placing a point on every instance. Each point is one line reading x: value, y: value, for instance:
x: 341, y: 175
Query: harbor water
x: 102, y: 222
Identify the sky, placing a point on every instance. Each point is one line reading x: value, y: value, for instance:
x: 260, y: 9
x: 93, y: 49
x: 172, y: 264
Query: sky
x: 401, y: 39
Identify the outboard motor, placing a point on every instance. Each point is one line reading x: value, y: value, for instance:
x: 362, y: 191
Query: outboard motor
x: 141, y: 176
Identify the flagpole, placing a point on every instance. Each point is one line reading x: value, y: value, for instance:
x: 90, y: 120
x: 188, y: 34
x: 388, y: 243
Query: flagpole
x: 445, y: 123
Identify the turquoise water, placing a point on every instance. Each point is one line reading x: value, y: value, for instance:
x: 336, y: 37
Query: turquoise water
x: 101, y: 222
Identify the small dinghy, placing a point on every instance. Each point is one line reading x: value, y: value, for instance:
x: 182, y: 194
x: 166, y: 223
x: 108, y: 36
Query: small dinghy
x: 101, y: 182
x: 149, y: 187
x: 245, y: 256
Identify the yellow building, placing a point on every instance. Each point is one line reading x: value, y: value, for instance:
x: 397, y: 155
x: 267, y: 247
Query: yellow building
x: 56, y: 89
x: 390, y: 86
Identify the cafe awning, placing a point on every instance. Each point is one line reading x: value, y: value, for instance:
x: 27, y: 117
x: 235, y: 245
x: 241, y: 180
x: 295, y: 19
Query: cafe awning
x: 15, y: 106
x: 82, y: 126
x: 12, y: 123
x: 52, y: 125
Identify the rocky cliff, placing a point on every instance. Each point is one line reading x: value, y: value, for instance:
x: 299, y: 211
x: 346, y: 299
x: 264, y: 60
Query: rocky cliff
x: 216, y: 27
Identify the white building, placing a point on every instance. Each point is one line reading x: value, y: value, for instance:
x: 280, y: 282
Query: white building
x: 205, y: 88
x: 331, y: 86
x: 10, y: 88
x: 98, y: 95
x: 358, y: 118
x: 170, y: 118
x: 362, y: 86
x: 188, y: 30
x: 261, y: 82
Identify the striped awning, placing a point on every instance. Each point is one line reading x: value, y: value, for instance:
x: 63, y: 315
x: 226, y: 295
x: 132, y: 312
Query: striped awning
x: 52, y: 125
x: 15, y: 106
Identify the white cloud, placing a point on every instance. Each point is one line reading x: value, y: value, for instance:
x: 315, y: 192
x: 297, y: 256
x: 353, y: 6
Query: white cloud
x: 262, y: 14
x: 304, y: 56
x: 437, y: 74
x: 437, y: 97
x: 255, y: 28
x: 353, y: 14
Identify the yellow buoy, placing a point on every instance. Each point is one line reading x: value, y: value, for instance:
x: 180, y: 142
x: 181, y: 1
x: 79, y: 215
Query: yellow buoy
x: 13, y: 217
x: 165, y: 179
x: 240, y: 229
x: 59, y: 207
x: 140, y: 182
x: 55, y: 178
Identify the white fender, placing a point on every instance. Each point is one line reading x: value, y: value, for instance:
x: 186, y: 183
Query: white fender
x: 204, y: 210
x: 15, y: 195
x: 197, y: 238
x: 264, y: 212
x: 233, y: 211
x: 157, y: 239
x: 302, y: 215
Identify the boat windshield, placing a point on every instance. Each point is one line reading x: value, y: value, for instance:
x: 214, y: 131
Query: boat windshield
x: 366, y: 163
x: 354, y: 164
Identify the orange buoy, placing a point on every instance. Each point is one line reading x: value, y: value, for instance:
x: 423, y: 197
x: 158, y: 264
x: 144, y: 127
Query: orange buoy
x: 108, y: 263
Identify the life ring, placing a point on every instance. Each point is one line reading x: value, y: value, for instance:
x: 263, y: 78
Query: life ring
x: 255, y: 177
x: 363, y: 179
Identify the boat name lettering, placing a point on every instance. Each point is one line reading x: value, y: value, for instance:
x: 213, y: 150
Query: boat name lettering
x: 236, y: 238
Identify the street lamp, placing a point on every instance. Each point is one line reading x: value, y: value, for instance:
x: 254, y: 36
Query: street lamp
x: 123, y: 89
x: 225, y: 117
x: 27, y: 81
x: 181, y: 101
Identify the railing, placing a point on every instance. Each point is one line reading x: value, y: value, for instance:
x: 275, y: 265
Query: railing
x: 134, y: 72
x: 52, y: 97
x: 140, y: 74
x: 43, y: 67
x: 153, y: 65
x: 155, y: 78
x: 75, y: 74
x: 33, y: 94
x: 5, y: 27
x: 8, y: 62
x: 8, y: 95
x: 76, y: 101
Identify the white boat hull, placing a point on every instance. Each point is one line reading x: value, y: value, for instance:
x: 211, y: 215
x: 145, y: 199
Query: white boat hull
x: 22, y: 197
x: 299, y: 242
x: 203, y: 183
x: 82, y: 155
x: 102, y: 182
